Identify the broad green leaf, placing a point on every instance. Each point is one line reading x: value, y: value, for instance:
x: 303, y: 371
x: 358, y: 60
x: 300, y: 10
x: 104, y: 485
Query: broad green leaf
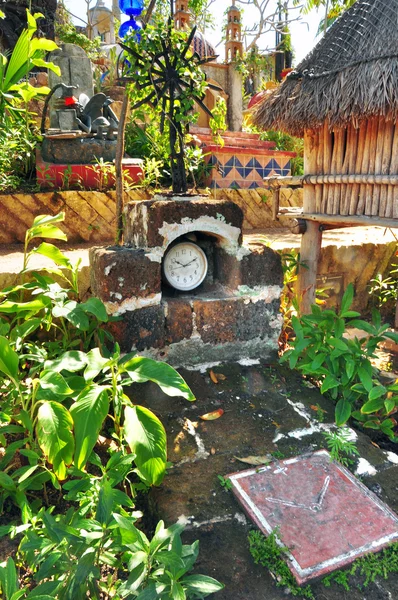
x: 365, y: 378
x: 9, y: 578
x: 105, y: 502
x: 347, y: 299
x: 48, y: 231
x: 95, y: 364
x: 6, y: 482
x: 53, y: 253
x: 95, y: 307
x: 20, y: 332
x: 318, y: 361
x: 371, y: 425
x: 387, y: 426
x: 129, y: 532
x: 48, y: 219
x: 177, y: 591
x: 329, y: 383
x: 349, y: 368
x: 54, y: 434
x: 202, y: 584
x: 149, y: 593
x: 88, y: 413
x: 136, y: 577
x: 32, y: 307
x: 69, y: 361
x: 72, y: 312
x: 372, y: 406
x: 146, y: 437
x: 54, y: 383
x: 27, y: 473
x: 143, y: 369
x: 342, y: 412
x: 339, y: 344
x: 389, y: 405
x: 9, y: 361
x: 377, y: 391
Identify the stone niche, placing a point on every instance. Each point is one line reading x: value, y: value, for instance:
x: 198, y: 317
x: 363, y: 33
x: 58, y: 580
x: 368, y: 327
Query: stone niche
x: 232, y: 315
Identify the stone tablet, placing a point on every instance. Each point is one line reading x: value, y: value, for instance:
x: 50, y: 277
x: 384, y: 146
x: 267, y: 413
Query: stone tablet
x: 324, y: 515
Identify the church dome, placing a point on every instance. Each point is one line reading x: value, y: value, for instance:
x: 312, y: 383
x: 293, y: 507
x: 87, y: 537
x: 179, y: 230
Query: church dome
x: 202, y: 47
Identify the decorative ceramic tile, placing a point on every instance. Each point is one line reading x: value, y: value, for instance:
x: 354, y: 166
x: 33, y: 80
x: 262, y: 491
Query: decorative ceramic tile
x: 325, y: 516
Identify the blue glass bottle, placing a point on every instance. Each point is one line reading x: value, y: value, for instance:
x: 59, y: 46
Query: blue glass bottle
x: 130, y: 26
x: 132, y: 8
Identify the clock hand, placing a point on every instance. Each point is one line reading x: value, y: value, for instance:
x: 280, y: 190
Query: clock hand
x: 191, y: 261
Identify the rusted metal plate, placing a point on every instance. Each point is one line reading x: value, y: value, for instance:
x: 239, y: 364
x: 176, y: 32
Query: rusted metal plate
x: 325, y: 516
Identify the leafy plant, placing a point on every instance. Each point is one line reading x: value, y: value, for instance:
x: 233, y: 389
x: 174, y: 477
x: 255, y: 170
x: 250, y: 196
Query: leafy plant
x: 342, y: 366
x: 271, y: 553
x: 225, y: 483
x: 58, y: 392
x: 341, y: 447
x: 105, y: 555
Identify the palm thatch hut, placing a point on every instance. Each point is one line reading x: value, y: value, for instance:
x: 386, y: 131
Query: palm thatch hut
x: 343, y: 98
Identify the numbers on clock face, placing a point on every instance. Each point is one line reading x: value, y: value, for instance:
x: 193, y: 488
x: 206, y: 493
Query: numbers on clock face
x: 185, y: 266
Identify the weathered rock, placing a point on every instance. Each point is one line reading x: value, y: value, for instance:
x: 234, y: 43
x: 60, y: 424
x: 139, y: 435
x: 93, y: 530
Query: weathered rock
x: 78, y: 150
x: 156, y: 223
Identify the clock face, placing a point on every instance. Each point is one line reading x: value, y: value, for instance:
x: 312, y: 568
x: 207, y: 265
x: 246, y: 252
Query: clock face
x: 185, y: 266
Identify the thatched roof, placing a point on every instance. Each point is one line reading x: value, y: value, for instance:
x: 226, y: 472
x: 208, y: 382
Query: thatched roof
x: 351, y: 74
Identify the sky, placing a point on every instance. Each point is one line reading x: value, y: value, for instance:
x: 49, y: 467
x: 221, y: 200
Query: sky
x: 303, y: 31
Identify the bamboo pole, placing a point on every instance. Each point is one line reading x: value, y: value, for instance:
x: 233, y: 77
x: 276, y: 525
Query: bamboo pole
x: 327, y: 160
x: 372, y: 142
x: 358, y: 167
x: 378, y: 165
x: 392, y: 194
x: 338, y: 179
x: 333, y: 170
x: 340, y: 151
x: 349, y: 159
x: 312, y: 238
x: 386, y: 165
x: 319, y: 170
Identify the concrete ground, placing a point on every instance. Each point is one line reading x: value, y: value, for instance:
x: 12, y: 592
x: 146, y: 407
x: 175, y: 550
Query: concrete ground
x: 267, y: 409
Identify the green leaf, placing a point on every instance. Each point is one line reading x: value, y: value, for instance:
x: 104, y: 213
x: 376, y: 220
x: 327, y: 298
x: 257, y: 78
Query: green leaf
x: 9, y: 578
x: 6, y: 482
x: 9, y: 361
x: 329, y: 383
x: 54, y: 383
x: 129, y: 532
x: 143, y: 369
x: 347, y: 299
x: 146, y: 437
x: 339, y: 344
x: 95, y: 307
x: 389, y: 405
x: 202, y: 584
x: 72, y: 312
x: 372, y: 406
x: 105, y: 502
x: 53, y: 253
x: 19, y: 308
x: 318, y: 361
x: 47, y: 231
x: 350, y: 368
x: 377, y: 391
x: 365, y: 378
x: 88, y: 413
x: 69, y: 361
x: 54, y: 435
x: 342, y: 412
x: 177, y: 591
x: 95, y: 364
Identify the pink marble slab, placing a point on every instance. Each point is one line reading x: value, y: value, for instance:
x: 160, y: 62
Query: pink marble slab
x: 325, y: 516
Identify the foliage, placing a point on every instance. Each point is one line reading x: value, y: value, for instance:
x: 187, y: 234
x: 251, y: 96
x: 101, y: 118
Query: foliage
x: 342, y: 366
x: 371, y: 567
x: 341, y: 447
x: 68, y: 34
x: 335, y: 9
x: 218, y: 122
x: 97, y: 549
x: 225, y: 483
x: 271, y: 553
x: 18, y: 134
x: 384, y: 290
x: 58, y: 389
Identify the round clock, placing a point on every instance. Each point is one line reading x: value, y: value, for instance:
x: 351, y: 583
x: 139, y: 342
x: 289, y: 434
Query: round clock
x: 185, y: 266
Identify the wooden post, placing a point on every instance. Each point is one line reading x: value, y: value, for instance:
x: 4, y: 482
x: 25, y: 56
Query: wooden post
x: 312, y: 239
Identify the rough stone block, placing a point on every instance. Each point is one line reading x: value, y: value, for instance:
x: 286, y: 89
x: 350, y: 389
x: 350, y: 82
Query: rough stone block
x: 140, y: 329
x: 216, y: 320
x: 256, y: 319
x: 119, y: 273
x: 259, y: 268
x: 179, y: 320
x: 155, y: 223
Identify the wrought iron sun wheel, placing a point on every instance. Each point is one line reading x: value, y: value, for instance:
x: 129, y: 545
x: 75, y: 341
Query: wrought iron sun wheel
x: 165, y: 75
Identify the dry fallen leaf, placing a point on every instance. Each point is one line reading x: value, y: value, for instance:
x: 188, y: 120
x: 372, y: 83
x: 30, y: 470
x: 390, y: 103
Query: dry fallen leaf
x: 212, y: 416
x: 221, y: 377
x: 213, y: 376
x: 212, y: 451
x: 374, y: 444
x: 254, y: 460
x: 276, y: 424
